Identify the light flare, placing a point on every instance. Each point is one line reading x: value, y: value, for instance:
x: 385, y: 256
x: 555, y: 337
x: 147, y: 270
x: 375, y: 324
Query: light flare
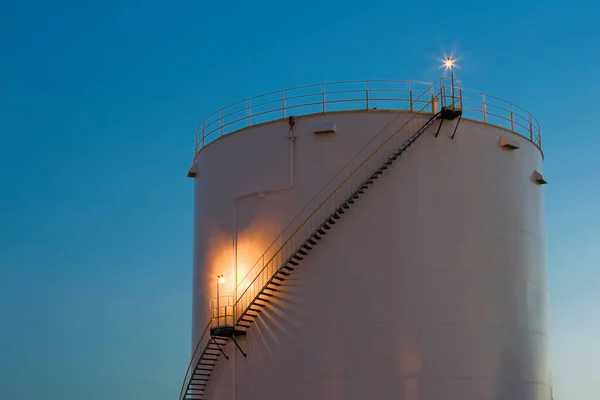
x: 449, y: 62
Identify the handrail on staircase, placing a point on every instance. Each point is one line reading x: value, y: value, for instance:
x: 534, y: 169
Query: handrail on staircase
x: 292, y: 243
x: 247, y: 280
x: 370, y: 157
x: 202, y: 343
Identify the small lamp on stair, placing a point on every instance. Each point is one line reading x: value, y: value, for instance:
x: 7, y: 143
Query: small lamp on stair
x: 220, y: 281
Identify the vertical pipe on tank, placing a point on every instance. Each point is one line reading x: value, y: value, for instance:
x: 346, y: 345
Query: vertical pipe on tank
x: 292, y: 137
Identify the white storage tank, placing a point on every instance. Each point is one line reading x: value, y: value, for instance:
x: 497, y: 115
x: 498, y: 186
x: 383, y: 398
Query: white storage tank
x: 381, y: 239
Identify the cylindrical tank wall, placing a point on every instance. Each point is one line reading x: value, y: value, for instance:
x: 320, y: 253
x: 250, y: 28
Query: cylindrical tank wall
x: 432, y: 287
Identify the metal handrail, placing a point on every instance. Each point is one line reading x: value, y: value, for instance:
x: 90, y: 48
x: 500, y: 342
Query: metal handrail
x: 354, y: 173
x: 245, y: 281
x: 205, y: 337
x: 355, y: 96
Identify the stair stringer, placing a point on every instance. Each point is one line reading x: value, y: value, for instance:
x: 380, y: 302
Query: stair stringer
x: 359, y: 180
x: 356, y: 189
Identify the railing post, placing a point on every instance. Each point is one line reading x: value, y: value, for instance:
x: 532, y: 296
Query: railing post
x: 512, y: 119
x: 460, y: 97
x: 434, y: 104
x: 203, y: 128
x: 442, y: 95
x: 410, y: 97
x: 221, y: 124
x: 323, y: 98
x: 367, y: 93
x: 530, y: 128
x: 484, y: 109
x: 249, y: 110
x: 283, y: 104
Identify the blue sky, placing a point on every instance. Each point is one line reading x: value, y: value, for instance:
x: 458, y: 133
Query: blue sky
x: 98, y: 107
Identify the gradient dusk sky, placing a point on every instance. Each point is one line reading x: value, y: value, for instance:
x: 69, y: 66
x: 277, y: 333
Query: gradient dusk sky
x: 99, y: 102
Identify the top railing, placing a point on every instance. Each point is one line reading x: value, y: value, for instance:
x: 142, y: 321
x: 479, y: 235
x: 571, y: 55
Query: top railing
x: 357, y: 96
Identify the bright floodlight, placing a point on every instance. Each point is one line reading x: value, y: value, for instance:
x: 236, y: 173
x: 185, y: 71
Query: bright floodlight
x: 449, y: 63
x: 221, y: 279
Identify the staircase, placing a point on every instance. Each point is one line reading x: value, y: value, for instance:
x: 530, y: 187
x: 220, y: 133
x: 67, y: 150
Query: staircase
x: 311, y: 231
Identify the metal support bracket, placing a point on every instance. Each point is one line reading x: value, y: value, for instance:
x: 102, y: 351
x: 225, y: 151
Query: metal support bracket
x: 456, y: 127
x: 439, y: 127
x: 238, y: 346
x: 219, y: 347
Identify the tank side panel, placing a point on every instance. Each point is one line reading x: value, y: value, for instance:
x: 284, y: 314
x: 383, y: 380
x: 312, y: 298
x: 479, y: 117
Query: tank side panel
x: 432, y: 287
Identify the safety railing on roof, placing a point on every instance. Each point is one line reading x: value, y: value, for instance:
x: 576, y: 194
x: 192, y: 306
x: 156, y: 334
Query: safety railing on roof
x: 330, y: 198
x: 360, y: 95
x: 428, y: 100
